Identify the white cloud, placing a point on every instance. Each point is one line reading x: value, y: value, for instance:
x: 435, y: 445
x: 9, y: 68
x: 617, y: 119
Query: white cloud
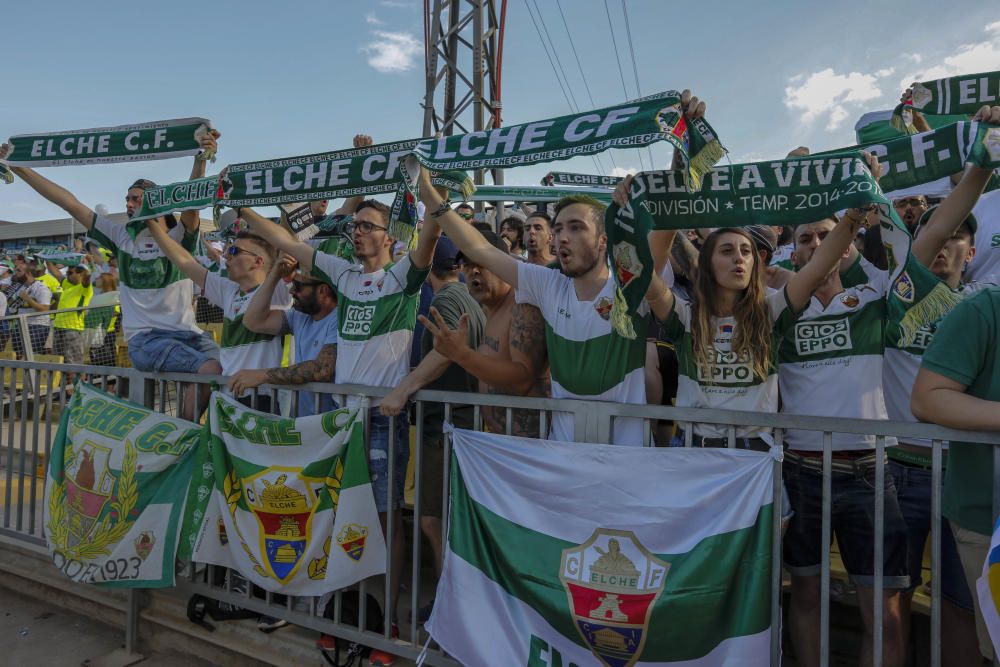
x: 882, y: 73
x: 915, y: 57
x: 969, y: 58
x: 398, y: 4
x: 622, y: 172
x: 393, y: 51
x: 371, y: 19
x: 826, y: 92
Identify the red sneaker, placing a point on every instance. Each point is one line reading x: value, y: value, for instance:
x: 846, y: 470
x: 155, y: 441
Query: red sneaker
x: 380, y: 658
x: 326, y: 642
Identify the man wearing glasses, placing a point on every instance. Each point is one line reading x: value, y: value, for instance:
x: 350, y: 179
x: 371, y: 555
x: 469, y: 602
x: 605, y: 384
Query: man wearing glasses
x: 465, y: 212
x: 377, y: 310
x: 249, y: 258
x: 909, y: 210
x: 157, y: 319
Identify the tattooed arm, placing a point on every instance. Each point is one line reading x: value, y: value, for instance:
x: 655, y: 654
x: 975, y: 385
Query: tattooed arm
x: 527, y: 345
x: 320, y: 369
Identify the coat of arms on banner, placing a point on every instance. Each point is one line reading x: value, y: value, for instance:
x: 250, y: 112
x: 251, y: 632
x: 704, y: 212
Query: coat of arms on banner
x: 627, y: 264
x: 351, y: 539
x: 992, y: 143
x: 612, y: 581
x: 283, y: 502
x: 671, y: 121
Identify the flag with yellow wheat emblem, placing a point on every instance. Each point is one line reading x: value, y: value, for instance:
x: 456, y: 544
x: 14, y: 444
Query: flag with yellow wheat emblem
x: 117, y: 478
x: 286, y: 502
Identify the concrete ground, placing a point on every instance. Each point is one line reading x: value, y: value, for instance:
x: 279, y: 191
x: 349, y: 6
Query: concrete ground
x: 34, y: 633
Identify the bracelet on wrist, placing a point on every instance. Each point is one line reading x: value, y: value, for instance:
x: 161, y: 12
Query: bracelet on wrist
x: 442, y: 209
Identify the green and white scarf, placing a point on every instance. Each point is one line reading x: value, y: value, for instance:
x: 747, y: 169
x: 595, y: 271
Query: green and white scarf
x: 875, y: 126
x: 919, y: 159
x: 593, y: 180
x: 779, y: 192
x: 176, y: 197
x: 951, y: 95
x: 157, y: 140
x: 535, y: 193
x: 63, y: 257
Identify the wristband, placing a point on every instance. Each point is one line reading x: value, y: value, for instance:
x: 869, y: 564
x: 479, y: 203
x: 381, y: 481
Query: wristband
x: 442, y: 209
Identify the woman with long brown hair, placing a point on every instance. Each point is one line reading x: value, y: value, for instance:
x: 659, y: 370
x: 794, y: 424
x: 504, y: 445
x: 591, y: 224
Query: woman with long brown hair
x: 726, y: 336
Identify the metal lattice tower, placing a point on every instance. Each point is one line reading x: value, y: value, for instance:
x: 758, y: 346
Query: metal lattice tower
x: 463, y: 56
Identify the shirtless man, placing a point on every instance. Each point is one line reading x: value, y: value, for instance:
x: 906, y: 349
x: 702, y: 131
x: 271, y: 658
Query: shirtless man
x: 511, y: 359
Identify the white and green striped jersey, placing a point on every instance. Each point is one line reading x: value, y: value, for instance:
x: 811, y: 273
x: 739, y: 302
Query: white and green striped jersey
x: 241, y: 348
x: 154, y: 293
x: 782, y: 256
x: 377, y: 314
x: 903, y: 362
x: 830, y: 364
x: 587, y: 358
x: 729, y: 383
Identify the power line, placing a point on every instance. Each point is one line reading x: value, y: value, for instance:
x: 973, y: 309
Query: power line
x: 635, y: 71
x: 567, y: 96
x: 621, y: 72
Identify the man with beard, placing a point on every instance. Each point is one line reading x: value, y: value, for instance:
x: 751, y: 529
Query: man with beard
x: 512, y: 231
x: 34, y: 294
x: 248, y: 260
x: 538, y: 239
x: 377, y: 311
x: 157, y: 319
x: 312, y: 321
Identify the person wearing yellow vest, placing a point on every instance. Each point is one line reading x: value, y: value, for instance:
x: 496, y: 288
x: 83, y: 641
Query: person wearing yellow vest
x: 67, y: 337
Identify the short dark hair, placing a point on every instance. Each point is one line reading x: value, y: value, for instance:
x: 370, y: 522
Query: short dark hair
x: 514, y: 222
x: 597, y: 209
x: 377, y: 205
x: 467, y: 205
x: 541, y: 214
x: 482, y: 226
x: 143, y: 184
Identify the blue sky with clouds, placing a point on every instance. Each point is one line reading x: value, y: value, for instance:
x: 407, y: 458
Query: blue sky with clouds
x: 282, y: 79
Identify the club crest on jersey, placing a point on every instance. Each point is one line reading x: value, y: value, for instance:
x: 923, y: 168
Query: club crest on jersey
x: 603, y: 307
x: 726, y: 328
x: 627, y: 264
x: 612, y: 582
x: 850, y: 300
x: 903, y: 288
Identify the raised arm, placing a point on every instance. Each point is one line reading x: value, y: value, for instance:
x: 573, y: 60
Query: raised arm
x: 56, y: 194
x: 465, y: 236
x: 957, y: 206
x: 801, y: 285
x: 177, y: 255
x: 259, y: 316
x: 210, y: 143
x: 279, y: 237
x: 351, y: 204
x: 422, y: 255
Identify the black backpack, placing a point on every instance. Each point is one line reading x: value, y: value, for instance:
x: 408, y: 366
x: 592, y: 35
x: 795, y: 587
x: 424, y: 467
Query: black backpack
x: 349, y: 607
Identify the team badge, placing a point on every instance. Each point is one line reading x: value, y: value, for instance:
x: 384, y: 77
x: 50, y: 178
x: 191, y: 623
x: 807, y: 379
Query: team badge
x: 921, y: 95
x: 603, y: 308
x: 903, y: 288
x: 850, y: 300
x: 351, y: 539
x: 144, y: 544
x: 89, y: 484
x: 612, y: 582
x: 671, y: 121
x: 627, y: 264
x: 284, y: 508
x: 726, y: 328
x: 992, y: 143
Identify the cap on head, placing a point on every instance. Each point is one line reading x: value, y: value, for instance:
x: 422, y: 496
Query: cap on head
x: 445, y: 253
x: 764, y: 237
x: 970, y: 222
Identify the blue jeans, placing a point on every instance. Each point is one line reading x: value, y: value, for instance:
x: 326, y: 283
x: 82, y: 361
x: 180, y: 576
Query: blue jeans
x: 378, y: 458
x: 913, y: 489
x: 852, y: 519
x: 171, y: 351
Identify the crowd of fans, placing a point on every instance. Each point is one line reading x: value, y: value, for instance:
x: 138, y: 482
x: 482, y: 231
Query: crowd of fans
x: 526, y: 312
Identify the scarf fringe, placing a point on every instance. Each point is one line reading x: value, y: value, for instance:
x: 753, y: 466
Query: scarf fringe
x: 701, y: 163
x: 402, y: 232
x: 938, y: 303
x: 620, y: 320
x: 6, y: 175
x: 899, y: 124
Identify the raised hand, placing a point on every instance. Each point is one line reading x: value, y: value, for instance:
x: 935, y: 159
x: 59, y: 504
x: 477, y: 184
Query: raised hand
x: 449, y: 343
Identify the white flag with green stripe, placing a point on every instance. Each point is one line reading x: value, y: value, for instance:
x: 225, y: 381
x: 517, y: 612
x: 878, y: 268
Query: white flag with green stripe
x: 570, y: 554
x: 286, y: 502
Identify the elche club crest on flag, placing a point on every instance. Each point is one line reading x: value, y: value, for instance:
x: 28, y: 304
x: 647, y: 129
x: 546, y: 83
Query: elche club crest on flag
x: 627, y: 264
x: 284, y: 510
x: 612, y: 581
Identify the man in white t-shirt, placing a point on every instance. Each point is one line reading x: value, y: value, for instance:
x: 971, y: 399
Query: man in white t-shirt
x: 377, y: 310
x: 157, y: 318
x: 32, y: 296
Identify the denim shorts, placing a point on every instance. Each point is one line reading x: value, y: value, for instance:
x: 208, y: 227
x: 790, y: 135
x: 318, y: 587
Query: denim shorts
x: 852, y: 520
x: 378, y: 458
x: 162, y: 351
x: 913, y: 489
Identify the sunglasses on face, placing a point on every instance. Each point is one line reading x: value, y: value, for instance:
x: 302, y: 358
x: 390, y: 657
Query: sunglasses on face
x: 298, y: 285
x: 912, y: 202
x: 234, y: 250
x: 363, y: 227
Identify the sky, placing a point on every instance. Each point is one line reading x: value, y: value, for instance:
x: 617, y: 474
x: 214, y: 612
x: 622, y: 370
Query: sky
x: 297, y: 77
